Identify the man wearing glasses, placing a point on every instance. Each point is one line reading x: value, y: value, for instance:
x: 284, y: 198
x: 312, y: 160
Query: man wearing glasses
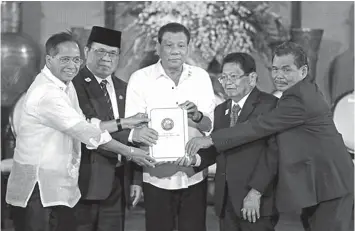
x: 104, y: 180
x: 315, y: 170
x: 245, y: 176
x: 43, y: 183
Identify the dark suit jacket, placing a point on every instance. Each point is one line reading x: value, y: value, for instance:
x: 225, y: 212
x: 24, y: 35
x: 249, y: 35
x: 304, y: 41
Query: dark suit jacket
x: 252, y: 165
x: 97, y: 169
x: 314, y: 164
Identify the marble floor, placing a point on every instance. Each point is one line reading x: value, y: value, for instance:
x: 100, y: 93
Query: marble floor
x: 135, y: 221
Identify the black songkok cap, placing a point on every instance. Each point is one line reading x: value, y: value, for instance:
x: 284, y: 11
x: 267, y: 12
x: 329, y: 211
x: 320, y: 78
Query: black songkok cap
x: 105, y: 36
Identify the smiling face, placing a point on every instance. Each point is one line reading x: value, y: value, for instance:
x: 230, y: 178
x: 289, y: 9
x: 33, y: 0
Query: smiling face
x: 59, y: 65
x: 173, y: 49
x: 235, y: 82
x: 285, y: 73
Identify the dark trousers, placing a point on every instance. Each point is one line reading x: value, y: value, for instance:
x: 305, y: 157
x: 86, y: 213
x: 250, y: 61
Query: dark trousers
x: 186, y: 206
x: 332, y: 215
x: 229, y: 221
x: 35, y: 217
x: 103, y: 215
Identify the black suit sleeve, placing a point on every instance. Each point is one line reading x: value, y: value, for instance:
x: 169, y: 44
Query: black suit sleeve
x: 266, y: 169
x: 137, y: 174
x: 121, y: 136
x: 83, y: 98
x: 289, y: 113
x: 209, y: 155
x: 208, y: 158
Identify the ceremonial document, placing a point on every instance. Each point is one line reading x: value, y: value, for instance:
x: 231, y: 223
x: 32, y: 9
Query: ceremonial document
x: 172, y: 127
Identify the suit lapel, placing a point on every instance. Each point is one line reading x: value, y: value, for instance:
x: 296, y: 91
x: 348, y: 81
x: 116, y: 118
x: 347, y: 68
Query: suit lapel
x: 224, y: 114
x: 96, y: 95
x: 249, y: 105
x: 120, y: 96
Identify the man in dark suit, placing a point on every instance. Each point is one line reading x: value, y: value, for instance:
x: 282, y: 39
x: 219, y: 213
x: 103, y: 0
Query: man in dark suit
x: 246, y: 170
x: 104, y: 179
x: 315, y: 170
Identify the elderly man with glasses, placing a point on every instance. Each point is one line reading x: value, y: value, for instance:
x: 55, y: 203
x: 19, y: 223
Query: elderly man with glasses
x: 245, y: 176
x: 105, y: 181
x: 315, y: 170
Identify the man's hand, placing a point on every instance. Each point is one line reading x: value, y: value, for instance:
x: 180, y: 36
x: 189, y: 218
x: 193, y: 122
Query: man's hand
x: 136, y: 194
x: 251, y: 206
x: 145, y: 135
x: 197, y: 143
x: 134, y: 121
x: 186, y: 161
x: 141, y: 157
x: 192, y: 111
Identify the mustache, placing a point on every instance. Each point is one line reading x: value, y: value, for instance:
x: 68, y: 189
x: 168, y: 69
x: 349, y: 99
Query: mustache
x: 104, y: 65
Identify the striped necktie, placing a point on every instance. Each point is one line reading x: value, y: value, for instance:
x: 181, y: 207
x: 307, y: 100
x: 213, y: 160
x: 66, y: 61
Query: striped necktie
x: 103, y: 85
x: 234, y: 114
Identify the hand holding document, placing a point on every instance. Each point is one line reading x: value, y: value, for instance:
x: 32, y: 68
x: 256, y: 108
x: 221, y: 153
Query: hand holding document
x: 172, y: 127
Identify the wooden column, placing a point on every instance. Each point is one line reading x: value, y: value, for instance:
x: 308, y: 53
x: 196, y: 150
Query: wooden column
x: 296, y: 14
x: 110, y: 14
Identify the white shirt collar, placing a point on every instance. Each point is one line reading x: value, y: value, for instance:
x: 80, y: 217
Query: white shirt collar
x: 277, y: 93
x: 160, y: 72
x: 108, y: 78
x: 99, y: 80
x: 242, y: 101
x: 54, y: 79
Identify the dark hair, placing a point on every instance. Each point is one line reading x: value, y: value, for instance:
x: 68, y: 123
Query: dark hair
x: 286, y: 48
x: 246, y: 61
x: 56, y: 39
x: 174, y: 28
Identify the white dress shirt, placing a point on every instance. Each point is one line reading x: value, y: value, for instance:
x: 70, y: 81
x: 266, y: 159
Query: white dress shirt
x: 240, y: 102
x: 150, y: 88
x: 48, y: 144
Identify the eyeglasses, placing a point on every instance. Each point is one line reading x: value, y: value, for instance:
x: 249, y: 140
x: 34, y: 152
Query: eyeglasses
x: 231, y: 77
x: 102, y: 52
x: 66, y: 59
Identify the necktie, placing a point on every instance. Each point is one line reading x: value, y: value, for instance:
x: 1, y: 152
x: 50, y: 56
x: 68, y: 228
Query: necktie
x: 234, y: 114
x: 103, y: 85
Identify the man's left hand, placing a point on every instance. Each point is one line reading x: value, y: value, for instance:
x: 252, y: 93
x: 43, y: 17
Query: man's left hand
x: 197, y: 143
x: 136, y: 194
x: 191, y: 108
x: 251, y: 206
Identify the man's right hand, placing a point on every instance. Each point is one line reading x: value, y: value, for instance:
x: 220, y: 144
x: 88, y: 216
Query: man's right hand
x: 251, y: 206
x: 145, y: 135
x: 141, y: 157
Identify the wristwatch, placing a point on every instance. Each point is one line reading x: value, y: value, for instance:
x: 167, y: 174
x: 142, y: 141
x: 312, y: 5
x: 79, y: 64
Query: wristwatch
x: 199, y: 119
